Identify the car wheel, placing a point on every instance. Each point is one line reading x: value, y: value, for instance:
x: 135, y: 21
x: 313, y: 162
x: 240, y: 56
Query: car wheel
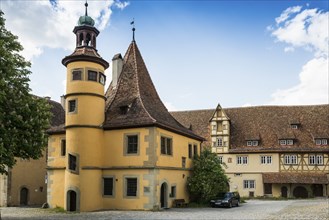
x: 230, y: 205
x: 238, y: 204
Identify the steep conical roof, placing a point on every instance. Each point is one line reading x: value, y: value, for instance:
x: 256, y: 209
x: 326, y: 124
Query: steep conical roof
x: 134, y: 102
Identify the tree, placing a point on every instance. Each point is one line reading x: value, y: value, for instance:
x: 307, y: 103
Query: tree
x: 23, y: 117
x: 208, y: 178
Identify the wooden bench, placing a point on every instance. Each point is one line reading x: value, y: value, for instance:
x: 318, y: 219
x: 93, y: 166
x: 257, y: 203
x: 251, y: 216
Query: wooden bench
x: 178, y: 203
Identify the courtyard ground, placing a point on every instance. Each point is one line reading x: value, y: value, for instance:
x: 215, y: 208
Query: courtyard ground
x: 254, y: 209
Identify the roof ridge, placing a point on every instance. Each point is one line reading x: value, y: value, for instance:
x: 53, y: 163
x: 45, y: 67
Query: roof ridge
x: 134, y: 45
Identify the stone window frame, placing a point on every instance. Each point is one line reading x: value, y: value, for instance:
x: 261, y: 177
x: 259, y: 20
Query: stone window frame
x: 219, y: 142
x: 125, y: 147
x: 88, y: 77
x: 113, y: 186
x: 63, y: 148
x: 81, y: 72
x: 190, y: 151
x: 167, y: 137
x: 76, y: 106
x: 100, y: 76
x: 195, y: 149
x: 183, y: 162
x: 125, y: 185
x: 173, y: 193
x: 76, y: 170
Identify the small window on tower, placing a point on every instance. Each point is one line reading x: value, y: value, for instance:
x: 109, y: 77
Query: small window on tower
x: 76, y: 75
x: 72, y: 105
x: 63, y: 147
x: 73, y: 163
x: 101, y: 78
x: 92, y: 75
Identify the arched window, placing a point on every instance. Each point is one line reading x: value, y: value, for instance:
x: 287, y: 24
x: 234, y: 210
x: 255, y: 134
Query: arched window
x: 88, y: 39
x: 80, y: 39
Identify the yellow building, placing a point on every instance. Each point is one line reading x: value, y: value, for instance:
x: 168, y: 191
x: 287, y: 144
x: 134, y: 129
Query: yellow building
x: 279, y: 151
x: 117, y: 150
x: 25, y: 184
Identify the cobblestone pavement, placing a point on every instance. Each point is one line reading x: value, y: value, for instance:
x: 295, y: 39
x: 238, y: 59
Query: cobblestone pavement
x: 254, y: 209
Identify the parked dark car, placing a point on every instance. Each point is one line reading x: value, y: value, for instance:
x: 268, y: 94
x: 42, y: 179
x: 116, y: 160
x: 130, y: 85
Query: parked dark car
x: 228, y: 199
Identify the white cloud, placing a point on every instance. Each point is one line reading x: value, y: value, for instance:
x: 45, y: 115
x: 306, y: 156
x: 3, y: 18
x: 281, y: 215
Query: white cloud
x: 307, y: 29
x: 41, y: 24
x: 285, y: 15
x: 121, y: 5
x: 312, y: 88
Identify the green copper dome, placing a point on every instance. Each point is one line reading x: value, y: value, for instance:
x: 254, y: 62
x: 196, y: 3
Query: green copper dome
x: 86, y: 20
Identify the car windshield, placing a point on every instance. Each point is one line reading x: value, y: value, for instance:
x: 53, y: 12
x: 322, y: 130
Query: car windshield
x: 224, y: 195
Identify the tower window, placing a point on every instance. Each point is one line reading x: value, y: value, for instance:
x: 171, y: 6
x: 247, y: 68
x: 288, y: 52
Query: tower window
x: 63, y: 147
x: 73, y: 163
x: 76, y: 75
x: 72, y: 105
x: 92, y: 75
x: 183, y: 162
x: 101, y: 78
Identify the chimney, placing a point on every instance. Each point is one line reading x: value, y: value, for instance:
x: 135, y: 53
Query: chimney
x: 117, y: 63
x: 63, y: 101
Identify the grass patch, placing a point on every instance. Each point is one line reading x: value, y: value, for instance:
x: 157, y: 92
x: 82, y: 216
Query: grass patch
x: 59, y: 209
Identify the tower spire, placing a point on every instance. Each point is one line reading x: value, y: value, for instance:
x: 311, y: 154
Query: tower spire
x: 86, y: 4
x: 133, y: 29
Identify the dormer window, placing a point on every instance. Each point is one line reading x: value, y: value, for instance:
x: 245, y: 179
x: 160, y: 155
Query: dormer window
x: 252, y: 143
x: 287, y: 142
x: 124, y: 109
x: 294, y: 126
x: 321, y: 141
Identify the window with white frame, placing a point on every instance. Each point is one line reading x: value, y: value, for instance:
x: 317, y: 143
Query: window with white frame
x: 220, y: 158
x: 283, y: 142
x: 266, y: 159
x: 249, y: 143
x: 254, y: 143
x: 321, y: 141
x: 249, y: 184
x: 315, y: 159
x: 242, y: 159
x: 290, y: 142
x: 219, y: 142
x: 290, y: 159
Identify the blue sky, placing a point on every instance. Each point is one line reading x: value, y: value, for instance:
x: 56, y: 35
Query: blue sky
x: 198, y: 53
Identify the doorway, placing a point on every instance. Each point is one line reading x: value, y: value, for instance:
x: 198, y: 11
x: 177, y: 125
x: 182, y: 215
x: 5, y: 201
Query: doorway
x: 284, y: 192
x: 71, y: 201
x: 300, y: 192
x: 163, y: 195
x: 23, y: 196
x: 317, y: 190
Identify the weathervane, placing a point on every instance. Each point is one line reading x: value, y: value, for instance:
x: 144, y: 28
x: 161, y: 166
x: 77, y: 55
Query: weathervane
x: 133, y: 24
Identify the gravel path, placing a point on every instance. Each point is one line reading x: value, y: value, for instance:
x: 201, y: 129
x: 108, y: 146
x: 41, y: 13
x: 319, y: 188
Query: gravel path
x: 254, y: 209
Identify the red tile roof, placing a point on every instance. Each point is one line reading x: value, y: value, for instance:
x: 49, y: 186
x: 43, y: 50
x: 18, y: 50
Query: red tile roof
x: 134, y: 102
x: 301, y: 178
x: 269, y: 124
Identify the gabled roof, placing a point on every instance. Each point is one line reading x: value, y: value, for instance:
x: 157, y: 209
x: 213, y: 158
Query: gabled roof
x: 134, y: 101
x: 270, y: 123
